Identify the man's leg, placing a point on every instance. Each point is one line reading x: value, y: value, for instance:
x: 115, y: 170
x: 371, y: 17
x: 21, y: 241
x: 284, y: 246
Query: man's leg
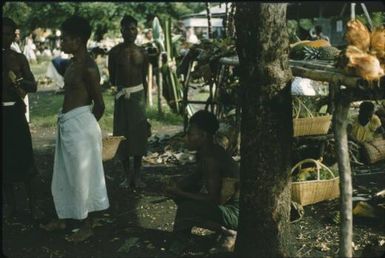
x: 9, y: 195
x: 137, y: 182
x: 127, y: 173
x: 31, y: 188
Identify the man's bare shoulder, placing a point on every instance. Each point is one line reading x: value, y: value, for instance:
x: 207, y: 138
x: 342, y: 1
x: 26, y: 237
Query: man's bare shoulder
x: 90, y: 65
x: 19, y: 56
x: 116, y: 49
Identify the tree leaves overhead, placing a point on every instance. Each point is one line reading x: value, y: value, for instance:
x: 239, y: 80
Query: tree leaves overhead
x: 29, y: 15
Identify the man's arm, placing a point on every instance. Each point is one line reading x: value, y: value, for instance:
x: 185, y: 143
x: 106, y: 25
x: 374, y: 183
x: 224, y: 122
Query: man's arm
x: 145, y: 73
x: 111, y: 67
x: 28, y: 82
x: 92, y: 78
x: 213, y: 187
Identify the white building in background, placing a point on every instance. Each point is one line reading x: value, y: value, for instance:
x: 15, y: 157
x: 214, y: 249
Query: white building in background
x: 198, y: 21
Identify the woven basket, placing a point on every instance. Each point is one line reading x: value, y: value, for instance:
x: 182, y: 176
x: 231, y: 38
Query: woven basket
x: 311, y: 125
x: 110, y: 146
x: 374, y: 151
x: 309, y: 192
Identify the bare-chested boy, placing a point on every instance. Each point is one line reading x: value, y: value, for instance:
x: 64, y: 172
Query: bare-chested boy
x: 127, y: 65
x: 18, y: 162
x: 78, y: 183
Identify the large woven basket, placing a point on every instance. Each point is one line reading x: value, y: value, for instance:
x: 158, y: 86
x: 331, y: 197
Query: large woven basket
x: 110, y: 146
x: 374, y: 151
x: 311, y: 125
x: 309, y: 192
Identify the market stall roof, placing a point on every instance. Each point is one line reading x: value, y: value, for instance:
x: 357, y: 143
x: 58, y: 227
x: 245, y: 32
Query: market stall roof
x: 327, y: 9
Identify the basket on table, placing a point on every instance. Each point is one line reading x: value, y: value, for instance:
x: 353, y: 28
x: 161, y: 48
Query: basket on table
x: 312, y: 125
x: 110, y: 146
x: 313, y: 191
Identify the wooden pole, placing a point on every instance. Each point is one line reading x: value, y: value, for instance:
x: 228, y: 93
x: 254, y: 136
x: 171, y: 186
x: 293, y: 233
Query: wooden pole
x: 208, y: 20
x: 185, y: 97
x: 340, y: 117
x: 150, y: 78
x: 160, y: 84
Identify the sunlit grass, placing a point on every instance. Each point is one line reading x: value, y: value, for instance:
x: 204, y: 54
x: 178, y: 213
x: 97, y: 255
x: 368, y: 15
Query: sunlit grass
x: 44, y: 107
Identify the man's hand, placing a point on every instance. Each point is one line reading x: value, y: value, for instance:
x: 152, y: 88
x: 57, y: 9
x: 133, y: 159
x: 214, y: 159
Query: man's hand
x: 172, y: 189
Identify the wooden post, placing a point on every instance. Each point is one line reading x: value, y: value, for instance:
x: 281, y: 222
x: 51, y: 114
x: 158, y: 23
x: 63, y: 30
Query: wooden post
x: 185, y: 96
x: 340, y: 116
x: 150, y: 78
x: 208, y: 20
x: 160, y: 84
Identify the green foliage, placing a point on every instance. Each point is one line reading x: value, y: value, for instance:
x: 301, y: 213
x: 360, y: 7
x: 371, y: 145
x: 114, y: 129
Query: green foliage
x: 378, y: 18
x: 105, y: 15
x: 18, y: 11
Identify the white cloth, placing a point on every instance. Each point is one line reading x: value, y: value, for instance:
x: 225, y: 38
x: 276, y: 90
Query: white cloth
x: 55, y: 76
x: 78, y: 183
x: 15, y: 46
x: 302, y: 86
x: 127, y: 91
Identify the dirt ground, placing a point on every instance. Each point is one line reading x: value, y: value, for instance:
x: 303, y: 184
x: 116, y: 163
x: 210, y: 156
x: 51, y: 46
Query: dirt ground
x: 139, y: 224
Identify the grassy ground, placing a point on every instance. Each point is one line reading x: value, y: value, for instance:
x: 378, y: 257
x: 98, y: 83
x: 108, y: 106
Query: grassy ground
x: 45, y: 105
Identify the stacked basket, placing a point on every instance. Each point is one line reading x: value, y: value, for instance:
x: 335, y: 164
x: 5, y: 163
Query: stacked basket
x: 313, y: 191
x: 311, y: 125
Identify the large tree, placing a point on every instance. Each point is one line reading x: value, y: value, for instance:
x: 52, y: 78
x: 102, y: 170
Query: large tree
x: 266, y: 130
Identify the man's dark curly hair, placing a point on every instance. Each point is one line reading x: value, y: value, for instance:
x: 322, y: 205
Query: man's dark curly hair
x: 205, y: 121
x: 366, y: 106
x: 77, y: 26
x: 128, y: 19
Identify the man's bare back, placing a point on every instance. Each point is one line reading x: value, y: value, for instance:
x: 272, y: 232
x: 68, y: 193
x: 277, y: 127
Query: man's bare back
x: 77, y: 83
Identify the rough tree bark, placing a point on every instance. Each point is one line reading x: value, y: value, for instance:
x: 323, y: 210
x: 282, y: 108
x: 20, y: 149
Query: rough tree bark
x: 266, y: 129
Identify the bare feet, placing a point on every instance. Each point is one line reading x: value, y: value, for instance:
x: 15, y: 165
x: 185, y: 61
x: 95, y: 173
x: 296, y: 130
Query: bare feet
x: 126, y: 184
x: 54, y: 225
x: 79, y: 236
x: 138, y: 183
x: 226, y: 243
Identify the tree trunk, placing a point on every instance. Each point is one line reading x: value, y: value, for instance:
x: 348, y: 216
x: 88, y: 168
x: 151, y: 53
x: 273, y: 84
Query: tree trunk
x: 266, y: 129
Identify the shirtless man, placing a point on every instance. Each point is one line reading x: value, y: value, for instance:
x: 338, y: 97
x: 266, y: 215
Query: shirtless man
x: 18, y: 162
x: 127, y: 65
x: 208, y: 198
x: 78, y: 183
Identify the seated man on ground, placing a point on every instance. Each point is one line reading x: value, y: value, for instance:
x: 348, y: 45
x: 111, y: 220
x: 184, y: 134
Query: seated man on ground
x: 366, y: 125
x: 364, y: 128
x: 209, y: 198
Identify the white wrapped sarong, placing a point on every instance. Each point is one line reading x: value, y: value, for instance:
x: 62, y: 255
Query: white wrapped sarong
x: 78, y: 183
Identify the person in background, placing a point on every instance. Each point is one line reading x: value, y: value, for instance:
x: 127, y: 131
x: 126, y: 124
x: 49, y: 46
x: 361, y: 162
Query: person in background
x: 16, y: 44
x: 365, y: 125
x: 127, y: 65
x: 78, y: 182
x: 209, y: 198
x: 30, y: 49
x: 18, y: 164
x: 147, y: 36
